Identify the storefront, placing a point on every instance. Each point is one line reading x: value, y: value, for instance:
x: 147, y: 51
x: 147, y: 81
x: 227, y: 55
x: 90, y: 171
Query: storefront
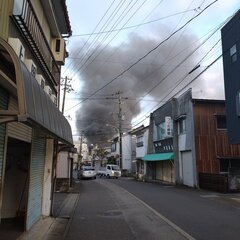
x: 28, y: 120
x: 160, y: 166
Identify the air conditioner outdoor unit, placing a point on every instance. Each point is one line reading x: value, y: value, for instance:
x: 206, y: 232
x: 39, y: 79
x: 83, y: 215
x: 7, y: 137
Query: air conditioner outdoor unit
x: 58, y: 49
x: 18, y: 47
x: 48, y: 90
x: 31, y: 66
x: 40, y: 80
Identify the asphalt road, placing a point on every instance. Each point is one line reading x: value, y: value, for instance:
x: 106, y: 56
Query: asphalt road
x: 204, y: 215
x: 128, y: 209
x: 106, y: 211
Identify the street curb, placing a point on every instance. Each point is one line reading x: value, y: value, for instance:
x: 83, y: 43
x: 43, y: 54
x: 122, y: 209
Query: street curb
x: 71, y: 217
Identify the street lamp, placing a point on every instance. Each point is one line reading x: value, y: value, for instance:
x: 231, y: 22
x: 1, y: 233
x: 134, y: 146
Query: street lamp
x: 119, y: 130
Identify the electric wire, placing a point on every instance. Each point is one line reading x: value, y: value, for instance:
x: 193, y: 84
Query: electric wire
x: 80, y: 69
x: 153, y: 9
x: 134, y: 26
x: 118, y: 21
x: 195, y: 78
x: 112, y: 15
x: 144, y: 56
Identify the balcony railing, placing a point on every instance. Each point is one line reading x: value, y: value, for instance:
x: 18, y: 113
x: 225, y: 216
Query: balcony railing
x: 27, y: 21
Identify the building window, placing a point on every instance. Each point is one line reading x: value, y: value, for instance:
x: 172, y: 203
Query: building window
x: 226, y: 164
x: 140, y: 141
x: 164, y: 130
x: 233, y: 53
x: 182, y: 126
x: 161, y: 131
x: 114, y: 147
x: 221, y: 122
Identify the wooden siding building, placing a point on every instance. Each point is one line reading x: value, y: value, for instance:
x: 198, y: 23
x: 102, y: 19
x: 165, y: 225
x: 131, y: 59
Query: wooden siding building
x: 203, y: 156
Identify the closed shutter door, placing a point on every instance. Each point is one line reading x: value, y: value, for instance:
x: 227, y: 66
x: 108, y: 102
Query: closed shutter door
x: 3, y: 106
x: 34, y: 209
x: 18, y: 130
x: 187, y: 168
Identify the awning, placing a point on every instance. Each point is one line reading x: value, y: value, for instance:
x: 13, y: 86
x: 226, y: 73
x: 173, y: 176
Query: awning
x: 159, y: 156
x: 35, y: 107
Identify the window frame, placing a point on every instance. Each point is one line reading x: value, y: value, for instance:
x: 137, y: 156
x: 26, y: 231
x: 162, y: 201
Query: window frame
x: 139, y: 141
x: 183, y: 129
x: 218, y: 123
x: 233, y: 53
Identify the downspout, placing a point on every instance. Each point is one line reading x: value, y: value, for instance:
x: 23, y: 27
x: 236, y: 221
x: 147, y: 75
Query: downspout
x: 54, y: 167
x: 175, y: 141
x: 150, y: 144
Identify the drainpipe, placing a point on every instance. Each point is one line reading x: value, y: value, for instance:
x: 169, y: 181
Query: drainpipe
x: 150, y: 148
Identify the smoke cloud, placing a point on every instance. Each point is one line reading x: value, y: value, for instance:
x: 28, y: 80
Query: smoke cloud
x: 102, y: 108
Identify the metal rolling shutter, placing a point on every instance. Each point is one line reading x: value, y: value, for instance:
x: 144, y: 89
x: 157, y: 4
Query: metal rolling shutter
x: 36, y: 182
x: 3, y: 105
x: 18, y: 130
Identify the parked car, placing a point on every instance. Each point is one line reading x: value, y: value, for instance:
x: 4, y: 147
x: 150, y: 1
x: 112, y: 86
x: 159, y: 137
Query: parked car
x: 110, y: 171
x: 87, y: 172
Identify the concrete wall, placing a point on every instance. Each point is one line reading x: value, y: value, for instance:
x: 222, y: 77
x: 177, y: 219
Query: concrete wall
x: 63, y: 165
x: 127, y: 152
x: 183, y: 108
x: 142, y: 151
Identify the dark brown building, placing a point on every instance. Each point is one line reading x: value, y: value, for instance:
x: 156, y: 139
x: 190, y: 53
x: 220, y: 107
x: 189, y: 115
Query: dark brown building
x: 203, y: 156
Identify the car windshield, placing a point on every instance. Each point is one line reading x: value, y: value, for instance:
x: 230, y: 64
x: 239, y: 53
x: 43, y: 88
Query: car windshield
x: 115, y: 168
x: 88, y: 169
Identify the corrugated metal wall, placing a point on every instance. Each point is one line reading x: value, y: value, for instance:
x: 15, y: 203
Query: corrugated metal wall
x: 3, y: 106
x: 5, y: 8
x: 18, y: 130
x: 36, y: 182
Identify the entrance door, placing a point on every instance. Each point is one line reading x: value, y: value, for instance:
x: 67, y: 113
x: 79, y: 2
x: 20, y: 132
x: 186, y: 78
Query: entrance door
x: 15, y: 188
x: 187, y: 168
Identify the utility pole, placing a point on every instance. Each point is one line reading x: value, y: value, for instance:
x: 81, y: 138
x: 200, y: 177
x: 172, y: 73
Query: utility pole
x: 120, y: 132
x: 120, y: 126
x: 67, y: 88
x: 80, y: 147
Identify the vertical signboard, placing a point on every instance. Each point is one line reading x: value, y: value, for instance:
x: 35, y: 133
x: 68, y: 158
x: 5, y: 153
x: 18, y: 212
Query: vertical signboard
x: 168, y: 126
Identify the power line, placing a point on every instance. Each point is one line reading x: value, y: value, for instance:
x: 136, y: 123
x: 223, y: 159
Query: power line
x: 140, y: 59
x: 110, y: 40
x: 133, y: 26
x: 153, y: 9
x: 211, y: 64
x: 98, y: 25
x: 105, y: 25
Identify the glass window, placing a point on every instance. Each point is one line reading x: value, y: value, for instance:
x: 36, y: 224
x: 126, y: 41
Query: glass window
x: 113, y: 147
x: 161, y: 131
x: 233, y: 53
x: 140, y: 141
x: 182, y: 126
x: 221, y: 122
x: 224, y: 165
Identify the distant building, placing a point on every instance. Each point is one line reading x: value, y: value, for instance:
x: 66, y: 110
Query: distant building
x: 141, y: 149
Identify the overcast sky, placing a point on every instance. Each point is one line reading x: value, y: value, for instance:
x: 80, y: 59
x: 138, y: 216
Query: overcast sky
x: 111, y: 36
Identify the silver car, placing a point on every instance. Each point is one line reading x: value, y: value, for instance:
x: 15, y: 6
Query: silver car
x: 87, y: 172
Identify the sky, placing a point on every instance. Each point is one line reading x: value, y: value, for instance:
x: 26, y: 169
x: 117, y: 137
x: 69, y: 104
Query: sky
x: 149, y: 50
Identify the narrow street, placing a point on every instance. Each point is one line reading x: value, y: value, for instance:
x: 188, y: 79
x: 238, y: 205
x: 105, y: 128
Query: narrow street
x: 127, y: 209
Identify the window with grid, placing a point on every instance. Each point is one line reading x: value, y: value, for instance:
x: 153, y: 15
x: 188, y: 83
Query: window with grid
x: 140, y: 141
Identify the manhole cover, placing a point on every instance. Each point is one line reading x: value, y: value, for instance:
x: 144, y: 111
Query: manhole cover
x: 112, y: 213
